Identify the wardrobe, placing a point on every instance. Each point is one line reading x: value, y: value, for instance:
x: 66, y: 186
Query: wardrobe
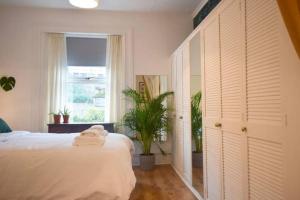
x: 243, y: 104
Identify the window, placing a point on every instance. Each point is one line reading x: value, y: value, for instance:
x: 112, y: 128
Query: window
x: 86, y: 79
x: 85, y: 89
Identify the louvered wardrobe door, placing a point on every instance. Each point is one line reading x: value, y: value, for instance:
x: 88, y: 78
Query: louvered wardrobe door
x: 232, y: 64
x: 265, y: 116
x: 212, y: 102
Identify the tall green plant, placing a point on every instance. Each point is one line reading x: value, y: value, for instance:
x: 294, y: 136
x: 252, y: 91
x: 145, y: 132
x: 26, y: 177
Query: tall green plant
x: 148, y: 118
x: 197, y: 121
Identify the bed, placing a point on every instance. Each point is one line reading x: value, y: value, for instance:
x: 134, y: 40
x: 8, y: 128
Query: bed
x: 46, y: 166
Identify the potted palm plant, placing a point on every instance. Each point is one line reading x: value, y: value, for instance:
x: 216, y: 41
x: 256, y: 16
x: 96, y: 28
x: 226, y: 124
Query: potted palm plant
x: 197, y: 157
x: 147, y: 119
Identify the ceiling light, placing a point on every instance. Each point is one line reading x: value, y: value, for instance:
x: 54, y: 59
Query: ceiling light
x: 84, y: 3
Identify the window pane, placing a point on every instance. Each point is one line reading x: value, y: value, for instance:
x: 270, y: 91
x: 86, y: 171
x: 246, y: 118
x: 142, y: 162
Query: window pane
x: 86, y: 94
x: 87, y: 73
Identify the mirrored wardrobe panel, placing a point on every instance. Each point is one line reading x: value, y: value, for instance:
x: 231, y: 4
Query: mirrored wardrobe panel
x: 196, y: 114
x: 156, y: 84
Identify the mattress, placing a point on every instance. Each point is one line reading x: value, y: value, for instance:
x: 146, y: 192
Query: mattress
x: 47, y: 166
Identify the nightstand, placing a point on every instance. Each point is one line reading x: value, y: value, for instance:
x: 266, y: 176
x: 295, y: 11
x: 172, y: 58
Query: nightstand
x: 77, y: 127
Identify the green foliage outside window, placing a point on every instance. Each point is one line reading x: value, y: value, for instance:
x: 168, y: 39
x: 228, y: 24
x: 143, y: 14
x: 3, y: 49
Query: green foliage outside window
x: 100, y: 93
x: 92, y: 115
x: 81, y: 94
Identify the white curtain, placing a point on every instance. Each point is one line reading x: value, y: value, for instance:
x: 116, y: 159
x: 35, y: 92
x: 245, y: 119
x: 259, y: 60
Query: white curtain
x: 56, y: 72
x: 115, y: 79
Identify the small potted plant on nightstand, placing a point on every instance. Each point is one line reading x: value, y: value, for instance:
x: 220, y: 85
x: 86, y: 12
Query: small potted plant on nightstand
x: 56, y: 117
x: 66, y: 115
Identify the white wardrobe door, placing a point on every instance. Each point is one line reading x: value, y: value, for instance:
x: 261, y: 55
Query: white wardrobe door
x: 212, y: 104
x: 179, y: 112
x: 233, y: 166
x: 187, y: 156
x: 212, y: 70
x: 232, y: 63
x: 213, y: 163
x: 265, y: 121
x: 173, y: 115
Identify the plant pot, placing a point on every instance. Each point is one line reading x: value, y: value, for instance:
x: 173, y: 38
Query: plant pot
x: 66, y: 119
x: 197, y: 160
x: 147, y: 161
x: 56, y: 119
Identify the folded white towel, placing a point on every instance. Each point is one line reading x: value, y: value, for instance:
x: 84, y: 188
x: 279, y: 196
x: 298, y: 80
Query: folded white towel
x: 98, y: 127
x: 91, y: 133
x: 95, y: 131
x: 89, y: 141
x: 105, y: 133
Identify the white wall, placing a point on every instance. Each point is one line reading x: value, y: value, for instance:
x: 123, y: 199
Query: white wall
x: 154, y: 37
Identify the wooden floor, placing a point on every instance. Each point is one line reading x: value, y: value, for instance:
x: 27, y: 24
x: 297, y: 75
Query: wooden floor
x: 162, y: 183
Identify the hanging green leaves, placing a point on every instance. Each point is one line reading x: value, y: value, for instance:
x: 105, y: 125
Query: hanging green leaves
x: 7, y: 83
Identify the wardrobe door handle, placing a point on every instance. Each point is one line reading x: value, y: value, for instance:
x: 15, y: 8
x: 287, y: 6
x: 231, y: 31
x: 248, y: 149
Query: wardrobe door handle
x: 218, y: 125
x: 180, y: 117
x: 244, y: 129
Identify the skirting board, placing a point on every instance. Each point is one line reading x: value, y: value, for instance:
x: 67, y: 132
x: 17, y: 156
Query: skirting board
x: 188, y: 185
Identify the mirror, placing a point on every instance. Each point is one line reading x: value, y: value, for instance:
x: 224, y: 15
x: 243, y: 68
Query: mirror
x: 156, y: 84
x: 196, y: 114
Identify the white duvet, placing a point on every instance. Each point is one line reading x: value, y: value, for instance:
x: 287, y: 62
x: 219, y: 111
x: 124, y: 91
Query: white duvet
x: 45, y: 166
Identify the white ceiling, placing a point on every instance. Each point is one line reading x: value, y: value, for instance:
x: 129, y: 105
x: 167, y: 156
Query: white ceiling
x: 117, y: 5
